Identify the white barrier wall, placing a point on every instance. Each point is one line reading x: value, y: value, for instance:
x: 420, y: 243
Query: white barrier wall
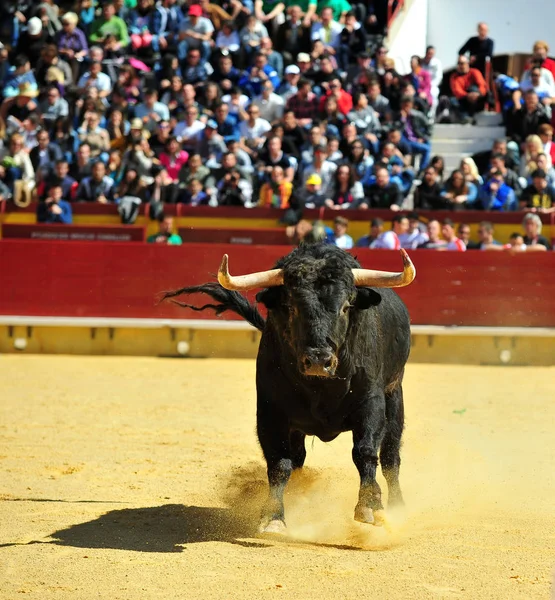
x: 411, y: 37
x: 514, y: 25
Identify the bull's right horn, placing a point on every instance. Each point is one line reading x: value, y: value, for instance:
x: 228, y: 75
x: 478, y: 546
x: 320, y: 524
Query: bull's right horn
x: 385, y: 279
x: 244, y: 283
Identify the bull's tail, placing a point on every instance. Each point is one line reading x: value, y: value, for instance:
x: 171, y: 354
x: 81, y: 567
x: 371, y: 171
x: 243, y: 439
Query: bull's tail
x: 227, y: 300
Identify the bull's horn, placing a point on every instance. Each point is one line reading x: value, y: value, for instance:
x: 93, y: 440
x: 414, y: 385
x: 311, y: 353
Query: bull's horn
x: 244, y: 283
x: 385, y: 279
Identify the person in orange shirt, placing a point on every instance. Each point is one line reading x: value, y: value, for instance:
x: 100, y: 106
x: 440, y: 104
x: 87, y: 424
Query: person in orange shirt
x: 276, y: 192
x: 468, y: 90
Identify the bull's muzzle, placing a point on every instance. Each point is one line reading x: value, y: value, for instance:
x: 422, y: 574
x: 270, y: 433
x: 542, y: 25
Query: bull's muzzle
x: 318, y: 362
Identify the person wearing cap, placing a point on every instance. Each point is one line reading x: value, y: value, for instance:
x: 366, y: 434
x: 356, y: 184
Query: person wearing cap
x: 289, y: 86
x: 17, y: 109
x: 538, y: 196
x: 32, y: 41
x: 304, y: 62
x: 211, y: 145
x: 321, y: 166
x: 310, y: 195
x: 293, y: 35
x: 304, y: 104
x: 109, y: 30
x: 21, y: 73
x: 195, y: 31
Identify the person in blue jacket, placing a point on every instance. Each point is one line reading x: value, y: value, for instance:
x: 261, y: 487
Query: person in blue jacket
x: 54, y: 209
x: 255, y: 76
x: 495, y: 194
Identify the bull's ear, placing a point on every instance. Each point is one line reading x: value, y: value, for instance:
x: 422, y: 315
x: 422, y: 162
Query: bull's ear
x: 270, y: 297
x: 366, y: 298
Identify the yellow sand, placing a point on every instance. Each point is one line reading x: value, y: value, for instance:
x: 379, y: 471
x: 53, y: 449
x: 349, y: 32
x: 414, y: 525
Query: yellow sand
x: 139, y: 478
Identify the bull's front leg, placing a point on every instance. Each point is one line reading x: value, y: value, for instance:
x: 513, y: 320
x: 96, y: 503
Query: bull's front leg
x: 274, y: 437
x: 368, y: 432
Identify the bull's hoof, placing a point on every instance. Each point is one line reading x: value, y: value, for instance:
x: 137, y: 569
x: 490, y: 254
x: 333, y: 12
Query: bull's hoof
x: 363, y: 514
x: 274, y: 527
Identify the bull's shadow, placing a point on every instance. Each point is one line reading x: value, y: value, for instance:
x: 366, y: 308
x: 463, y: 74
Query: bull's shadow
x: 158, y: 529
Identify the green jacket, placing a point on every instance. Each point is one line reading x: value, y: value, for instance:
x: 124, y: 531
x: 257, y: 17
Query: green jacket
x: 115, y: 26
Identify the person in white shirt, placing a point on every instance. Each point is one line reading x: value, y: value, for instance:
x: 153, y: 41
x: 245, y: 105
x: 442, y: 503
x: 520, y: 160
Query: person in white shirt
x: 415, y: 235
x: 432, y: 64
x: 227, y: 38
x: 390, y: 240
x: 327, y: 31
x: 253, y: 130
x: 448, y: 233
x: 340, y: 237
x: 188, y: 131
x: 95, y: 78
x: 270, y: 104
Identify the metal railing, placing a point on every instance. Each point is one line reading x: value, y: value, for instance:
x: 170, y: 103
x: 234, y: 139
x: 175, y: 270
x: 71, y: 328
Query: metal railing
x: 393, y: 9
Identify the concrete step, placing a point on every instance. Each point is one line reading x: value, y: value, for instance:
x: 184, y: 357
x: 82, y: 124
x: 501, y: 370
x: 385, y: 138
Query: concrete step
x: 442, y: 130
x: 489, y: 119
x: 452, y: 145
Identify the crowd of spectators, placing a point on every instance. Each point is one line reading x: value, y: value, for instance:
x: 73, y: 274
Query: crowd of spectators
x: 410, y: 232
x: 241, y: 103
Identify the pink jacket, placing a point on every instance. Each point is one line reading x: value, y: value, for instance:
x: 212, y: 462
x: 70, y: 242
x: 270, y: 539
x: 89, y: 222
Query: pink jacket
x: 173, y: 164
x: 422, y: 83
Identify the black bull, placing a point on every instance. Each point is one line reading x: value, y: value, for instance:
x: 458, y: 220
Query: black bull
x: 331, y: 359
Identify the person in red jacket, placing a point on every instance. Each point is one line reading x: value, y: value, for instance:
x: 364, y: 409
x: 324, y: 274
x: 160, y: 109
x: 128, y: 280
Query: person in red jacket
x: 545, y: 132
x: 344, y: 99
x: 468, y: 89
x: 539, y: 55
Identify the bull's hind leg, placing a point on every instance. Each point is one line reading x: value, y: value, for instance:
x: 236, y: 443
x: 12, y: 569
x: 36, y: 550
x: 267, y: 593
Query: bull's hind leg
x: 298, y: 450
x: 274, y: 437
x: 390, y: 458
x: 368, y: 432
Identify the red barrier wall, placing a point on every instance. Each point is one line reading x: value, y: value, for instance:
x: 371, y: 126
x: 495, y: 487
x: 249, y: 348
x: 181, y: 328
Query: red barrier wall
x: 121, y: 280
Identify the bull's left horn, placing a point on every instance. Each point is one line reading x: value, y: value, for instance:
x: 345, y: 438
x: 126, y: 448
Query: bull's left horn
x: 385, y: 279
x: 244, y: 283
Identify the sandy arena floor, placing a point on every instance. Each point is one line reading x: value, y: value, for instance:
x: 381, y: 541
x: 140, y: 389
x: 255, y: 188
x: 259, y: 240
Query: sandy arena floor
x: 125, y: 478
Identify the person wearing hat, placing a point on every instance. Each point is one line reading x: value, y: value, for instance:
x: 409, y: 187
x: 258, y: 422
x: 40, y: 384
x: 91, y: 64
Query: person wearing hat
x: 310, y: 195
x: 32, y: 41
x: 109, y: 30
x: 211, y: 145
x: 21, y: 73
x: 293, y: 35
x: 289, y: 85
x: 17, y: 109
x: 321, y: 166
x: 195, y: 31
